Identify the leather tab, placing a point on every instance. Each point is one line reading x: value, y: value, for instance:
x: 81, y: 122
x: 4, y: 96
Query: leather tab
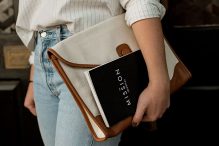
x: 123, y: 49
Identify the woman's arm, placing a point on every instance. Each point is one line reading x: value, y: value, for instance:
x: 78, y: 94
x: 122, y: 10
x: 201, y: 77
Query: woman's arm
x: 155, y: 99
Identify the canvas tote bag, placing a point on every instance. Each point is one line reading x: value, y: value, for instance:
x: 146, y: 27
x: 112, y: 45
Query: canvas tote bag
x: 97, y: 45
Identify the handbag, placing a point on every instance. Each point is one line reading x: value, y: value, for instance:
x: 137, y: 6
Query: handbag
x: 97, y: 45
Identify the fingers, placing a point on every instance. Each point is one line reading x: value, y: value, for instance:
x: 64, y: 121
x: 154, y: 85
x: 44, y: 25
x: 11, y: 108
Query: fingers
x: 33, y: 110
x: 147, y: 115
x: 152, y: 116
x: 29, y: 100
x: 139, y: 114
x: 30, y: 105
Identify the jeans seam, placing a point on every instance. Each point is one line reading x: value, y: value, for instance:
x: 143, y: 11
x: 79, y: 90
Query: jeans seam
x: 52, y: 87
x: 92, y: 141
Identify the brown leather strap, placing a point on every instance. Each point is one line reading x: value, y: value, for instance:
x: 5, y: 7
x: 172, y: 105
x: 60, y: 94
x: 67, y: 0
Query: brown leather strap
x: 123, y: 49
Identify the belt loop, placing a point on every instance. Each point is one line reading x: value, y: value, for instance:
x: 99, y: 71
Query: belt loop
x: 35, y: 33
x: 40, y: 31
x: 58, y: 31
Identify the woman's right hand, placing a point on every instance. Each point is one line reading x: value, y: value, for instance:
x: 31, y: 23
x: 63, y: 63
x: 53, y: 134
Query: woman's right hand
x: 29, y: 99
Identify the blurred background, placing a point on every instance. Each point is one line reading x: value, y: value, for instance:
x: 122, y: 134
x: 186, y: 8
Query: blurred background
x: 17, y: 126
x: 192, y: 29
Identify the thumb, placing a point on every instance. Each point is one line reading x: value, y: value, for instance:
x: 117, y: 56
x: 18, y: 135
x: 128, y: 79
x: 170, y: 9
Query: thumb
x: 140, y: 111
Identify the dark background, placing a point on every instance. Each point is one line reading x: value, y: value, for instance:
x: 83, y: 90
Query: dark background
x: 192, y: 29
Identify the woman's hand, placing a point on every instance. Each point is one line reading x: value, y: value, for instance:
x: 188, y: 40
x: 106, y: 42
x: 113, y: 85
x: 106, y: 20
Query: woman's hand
x: 29, y: 100
x: 152, y: 103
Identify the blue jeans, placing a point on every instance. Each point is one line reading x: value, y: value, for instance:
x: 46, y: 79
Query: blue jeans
x: 60, y: 120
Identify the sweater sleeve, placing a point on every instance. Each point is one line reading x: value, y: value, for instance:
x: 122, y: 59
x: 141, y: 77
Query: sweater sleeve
x: 141, y: 9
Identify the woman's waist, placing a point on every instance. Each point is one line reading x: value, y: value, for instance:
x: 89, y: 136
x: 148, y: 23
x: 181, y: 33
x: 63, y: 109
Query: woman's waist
x: 74, y: 23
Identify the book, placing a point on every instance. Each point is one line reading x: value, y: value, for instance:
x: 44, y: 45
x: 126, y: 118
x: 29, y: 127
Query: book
x: 117, y: 85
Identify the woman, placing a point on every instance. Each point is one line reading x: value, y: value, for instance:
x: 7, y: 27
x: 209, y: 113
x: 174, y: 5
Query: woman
x: 41, y: 24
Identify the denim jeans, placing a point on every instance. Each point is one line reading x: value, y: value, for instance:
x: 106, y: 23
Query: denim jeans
x: 60, y: 120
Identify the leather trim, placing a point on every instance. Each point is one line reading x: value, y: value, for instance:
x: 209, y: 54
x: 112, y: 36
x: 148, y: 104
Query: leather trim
x: 52, y: 52
x: 181, y: 74
x: 123, y: 49
x: 180, y: 71
x: 180, y: 77
x: 77, y: 98
x: 109, y: 132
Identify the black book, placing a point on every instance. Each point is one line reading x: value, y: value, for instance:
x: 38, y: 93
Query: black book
x: 117, y: 85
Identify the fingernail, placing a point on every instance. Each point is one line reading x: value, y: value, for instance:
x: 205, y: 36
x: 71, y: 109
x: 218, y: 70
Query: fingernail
x: 134, y: 124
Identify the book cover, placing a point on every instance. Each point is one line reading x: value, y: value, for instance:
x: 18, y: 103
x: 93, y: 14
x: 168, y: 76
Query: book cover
x: 117, y: 85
